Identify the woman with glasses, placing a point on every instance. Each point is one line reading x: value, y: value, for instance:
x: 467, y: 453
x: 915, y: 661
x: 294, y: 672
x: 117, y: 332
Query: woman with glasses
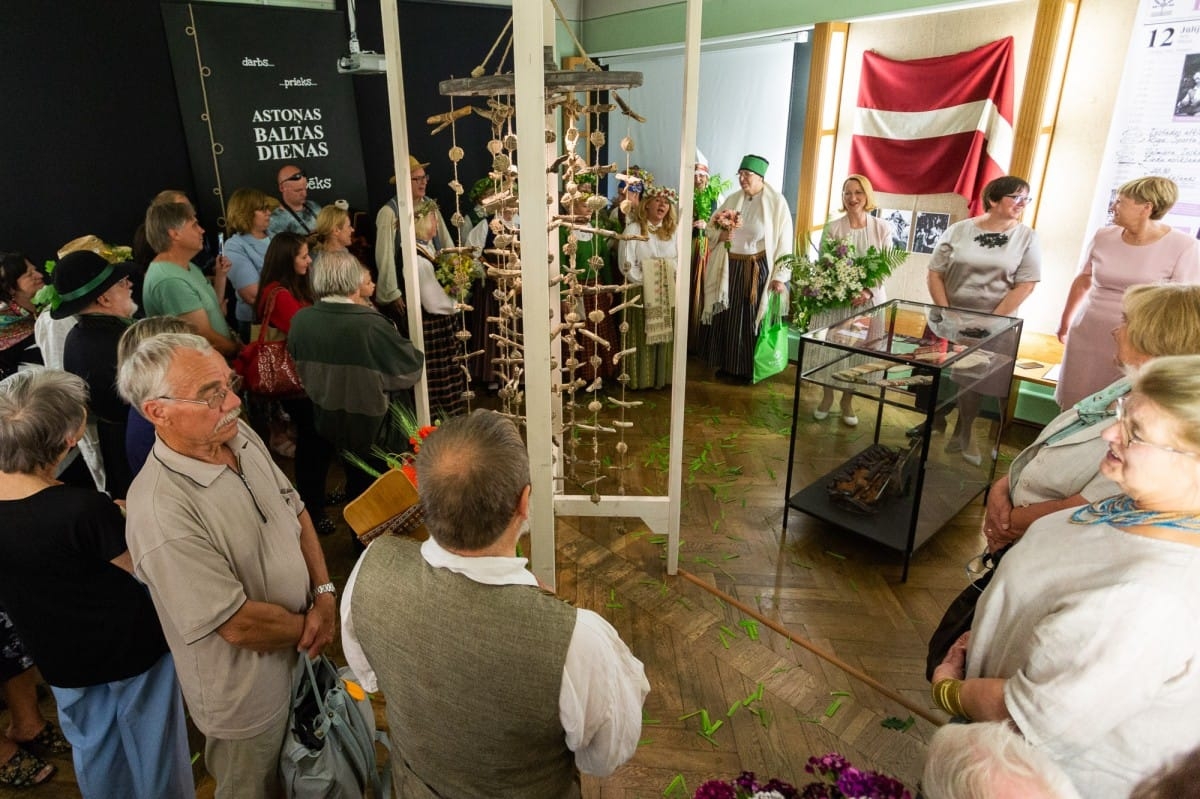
x: 1138, y: 247
x: 1088, y: 639
x: 1060, y: 469
x: 988, y: 263
x: 247, y: 218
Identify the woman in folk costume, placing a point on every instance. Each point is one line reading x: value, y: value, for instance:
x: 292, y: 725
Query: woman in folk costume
x: 443, y: 376
x: 651, y: 265
x: 754, y: 227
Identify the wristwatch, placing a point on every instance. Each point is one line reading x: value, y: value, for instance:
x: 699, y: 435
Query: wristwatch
x: 324, y: 588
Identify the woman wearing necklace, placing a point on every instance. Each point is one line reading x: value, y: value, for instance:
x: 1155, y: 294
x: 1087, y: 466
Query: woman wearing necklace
x: 650, y: 265
x: 1088, y: 638
x: 863, y: 231
x: 1060, y: 469
x: 989, y: 263
x: 741, y: 273
x: 19, y: 281
x: 1136, y: 248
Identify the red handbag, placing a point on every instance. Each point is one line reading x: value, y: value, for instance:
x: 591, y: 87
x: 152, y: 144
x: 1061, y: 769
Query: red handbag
x: 267, y: 366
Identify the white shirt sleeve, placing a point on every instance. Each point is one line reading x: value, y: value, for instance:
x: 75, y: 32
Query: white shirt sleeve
x: 356, y: 659
x: 434, y: 299
x: 600, y: 702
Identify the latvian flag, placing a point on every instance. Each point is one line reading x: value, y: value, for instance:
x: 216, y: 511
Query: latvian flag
x: 935, y: 125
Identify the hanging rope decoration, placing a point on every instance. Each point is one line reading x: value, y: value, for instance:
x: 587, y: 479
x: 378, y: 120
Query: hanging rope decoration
x: 588, y: 301
x: 462, y: 278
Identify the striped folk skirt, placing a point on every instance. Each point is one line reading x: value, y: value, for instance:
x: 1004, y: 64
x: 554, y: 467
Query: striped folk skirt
x: 444, y: 377
x: 731, y: 335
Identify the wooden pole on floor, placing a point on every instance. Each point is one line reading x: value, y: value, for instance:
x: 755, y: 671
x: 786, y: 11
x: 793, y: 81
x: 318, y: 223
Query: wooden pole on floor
x: 811, y: 647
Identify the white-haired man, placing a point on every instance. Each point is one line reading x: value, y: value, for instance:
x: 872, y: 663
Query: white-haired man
x: 230, y: 556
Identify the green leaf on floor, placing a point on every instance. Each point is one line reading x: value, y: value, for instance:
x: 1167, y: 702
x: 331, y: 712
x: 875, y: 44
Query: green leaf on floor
x: 833, y: 708
x: 677, y: 787
x: 898, y: 724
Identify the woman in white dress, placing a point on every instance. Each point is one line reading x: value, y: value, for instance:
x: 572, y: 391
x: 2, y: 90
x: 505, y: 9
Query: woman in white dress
x: 863, y: 231
x: 651, y: 265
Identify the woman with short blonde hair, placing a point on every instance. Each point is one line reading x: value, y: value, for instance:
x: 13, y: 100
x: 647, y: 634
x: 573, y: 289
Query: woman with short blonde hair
x: 1136, y: 248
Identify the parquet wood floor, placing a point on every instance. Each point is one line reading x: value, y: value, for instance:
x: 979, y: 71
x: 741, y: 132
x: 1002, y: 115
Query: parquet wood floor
x: 840, y: 592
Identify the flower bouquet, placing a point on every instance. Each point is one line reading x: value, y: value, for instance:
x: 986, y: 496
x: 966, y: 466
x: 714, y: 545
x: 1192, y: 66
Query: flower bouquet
x: 728, y: 220
x: 836, y: 276
x: 455, y: 271
x: 404, y: 423
x: 838, y: 780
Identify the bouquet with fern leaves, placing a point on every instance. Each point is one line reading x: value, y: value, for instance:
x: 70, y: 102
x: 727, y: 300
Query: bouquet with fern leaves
x: 836, y: 275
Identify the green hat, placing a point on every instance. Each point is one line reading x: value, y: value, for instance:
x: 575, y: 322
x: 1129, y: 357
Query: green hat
x: 756, y: 164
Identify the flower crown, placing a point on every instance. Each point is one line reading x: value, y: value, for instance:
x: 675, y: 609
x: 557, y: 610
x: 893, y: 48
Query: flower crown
x: 424, y: 208
x: 666, y: 192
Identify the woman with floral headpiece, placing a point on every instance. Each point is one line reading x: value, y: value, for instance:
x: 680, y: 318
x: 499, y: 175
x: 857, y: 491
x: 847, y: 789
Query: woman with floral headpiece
x: 435, y: 273
x: 651, y: 265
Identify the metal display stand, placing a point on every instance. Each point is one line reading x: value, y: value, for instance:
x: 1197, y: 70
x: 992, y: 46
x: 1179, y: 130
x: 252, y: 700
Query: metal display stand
x: 920, y: 360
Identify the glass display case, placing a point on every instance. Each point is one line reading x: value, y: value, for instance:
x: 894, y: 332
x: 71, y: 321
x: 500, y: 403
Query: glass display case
x: 928, y: 371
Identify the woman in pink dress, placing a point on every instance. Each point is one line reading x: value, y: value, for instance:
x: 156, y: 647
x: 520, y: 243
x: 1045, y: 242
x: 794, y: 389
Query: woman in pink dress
x: 1136, y: 248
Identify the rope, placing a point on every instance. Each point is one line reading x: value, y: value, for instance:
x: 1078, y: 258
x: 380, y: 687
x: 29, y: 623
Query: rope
x: 592, y: 66
x: 483, y: 66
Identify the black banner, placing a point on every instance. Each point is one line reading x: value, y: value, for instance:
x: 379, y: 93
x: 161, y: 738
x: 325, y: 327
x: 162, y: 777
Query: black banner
x: 259, y: 89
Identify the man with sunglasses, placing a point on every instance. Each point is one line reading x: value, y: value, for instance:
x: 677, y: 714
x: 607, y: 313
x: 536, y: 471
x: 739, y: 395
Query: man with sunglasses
x: 296, y: 213
x: 230, y: 556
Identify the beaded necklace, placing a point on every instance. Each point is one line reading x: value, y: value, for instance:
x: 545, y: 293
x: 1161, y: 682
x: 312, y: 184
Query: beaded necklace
x: 1120, y: 511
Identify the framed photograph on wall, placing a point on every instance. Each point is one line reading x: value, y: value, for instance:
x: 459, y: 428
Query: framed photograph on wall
x: 901, y: 222
x: 928, y: 229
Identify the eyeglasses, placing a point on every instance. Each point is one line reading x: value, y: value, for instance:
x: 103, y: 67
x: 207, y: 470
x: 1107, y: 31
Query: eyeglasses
x: 295, y: 177
x: 419, y: 178
x: 214, y: 400
x: 1128, y: 437
x: 1020, y: 199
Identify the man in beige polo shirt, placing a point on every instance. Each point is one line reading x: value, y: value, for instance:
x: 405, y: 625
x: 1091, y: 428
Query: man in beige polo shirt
x: 230, y: 555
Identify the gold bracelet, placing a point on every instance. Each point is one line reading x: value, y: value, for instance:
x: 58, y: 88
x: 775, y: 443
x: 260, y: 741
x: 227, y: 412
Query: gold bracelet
x: 947, y: 695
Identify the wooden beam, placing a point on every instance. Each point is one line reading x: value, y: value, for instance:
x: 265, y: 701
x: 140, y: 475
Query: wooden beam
x: 822, y: 77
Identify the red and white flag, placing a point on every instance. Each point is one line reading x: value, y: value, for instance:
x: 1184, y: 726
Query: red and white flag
x: 934, y: 125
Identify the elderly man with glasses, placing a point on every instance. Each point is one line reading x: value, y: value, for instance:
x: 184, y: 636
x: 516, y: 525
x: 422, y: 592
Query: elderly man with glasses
x: 296, y: 212
x: 230, y: 555
x: 389, y: 292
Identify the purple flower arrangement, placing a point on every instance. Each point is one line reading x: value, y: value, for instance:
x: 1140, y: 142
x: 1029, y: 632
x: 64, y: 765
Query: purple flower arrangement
x: 838, y: 780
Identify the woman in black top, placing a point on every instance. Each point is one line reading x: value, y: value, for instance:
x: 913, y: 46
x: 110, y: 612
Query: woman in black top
x: 66, y: 581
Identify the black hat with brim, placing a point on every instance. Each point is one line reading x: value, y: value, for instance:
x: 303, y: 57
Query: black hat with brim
x: 82, y: 276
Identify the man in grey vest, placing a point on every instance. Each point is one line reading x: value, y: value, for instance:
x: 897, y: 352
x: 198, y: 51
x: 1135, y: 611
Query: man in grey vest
x: 494, y: 686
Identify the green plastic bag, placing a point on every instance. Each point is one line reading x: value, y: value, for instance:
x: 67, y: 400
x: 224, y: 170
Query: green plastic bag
x: 771, y: 349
